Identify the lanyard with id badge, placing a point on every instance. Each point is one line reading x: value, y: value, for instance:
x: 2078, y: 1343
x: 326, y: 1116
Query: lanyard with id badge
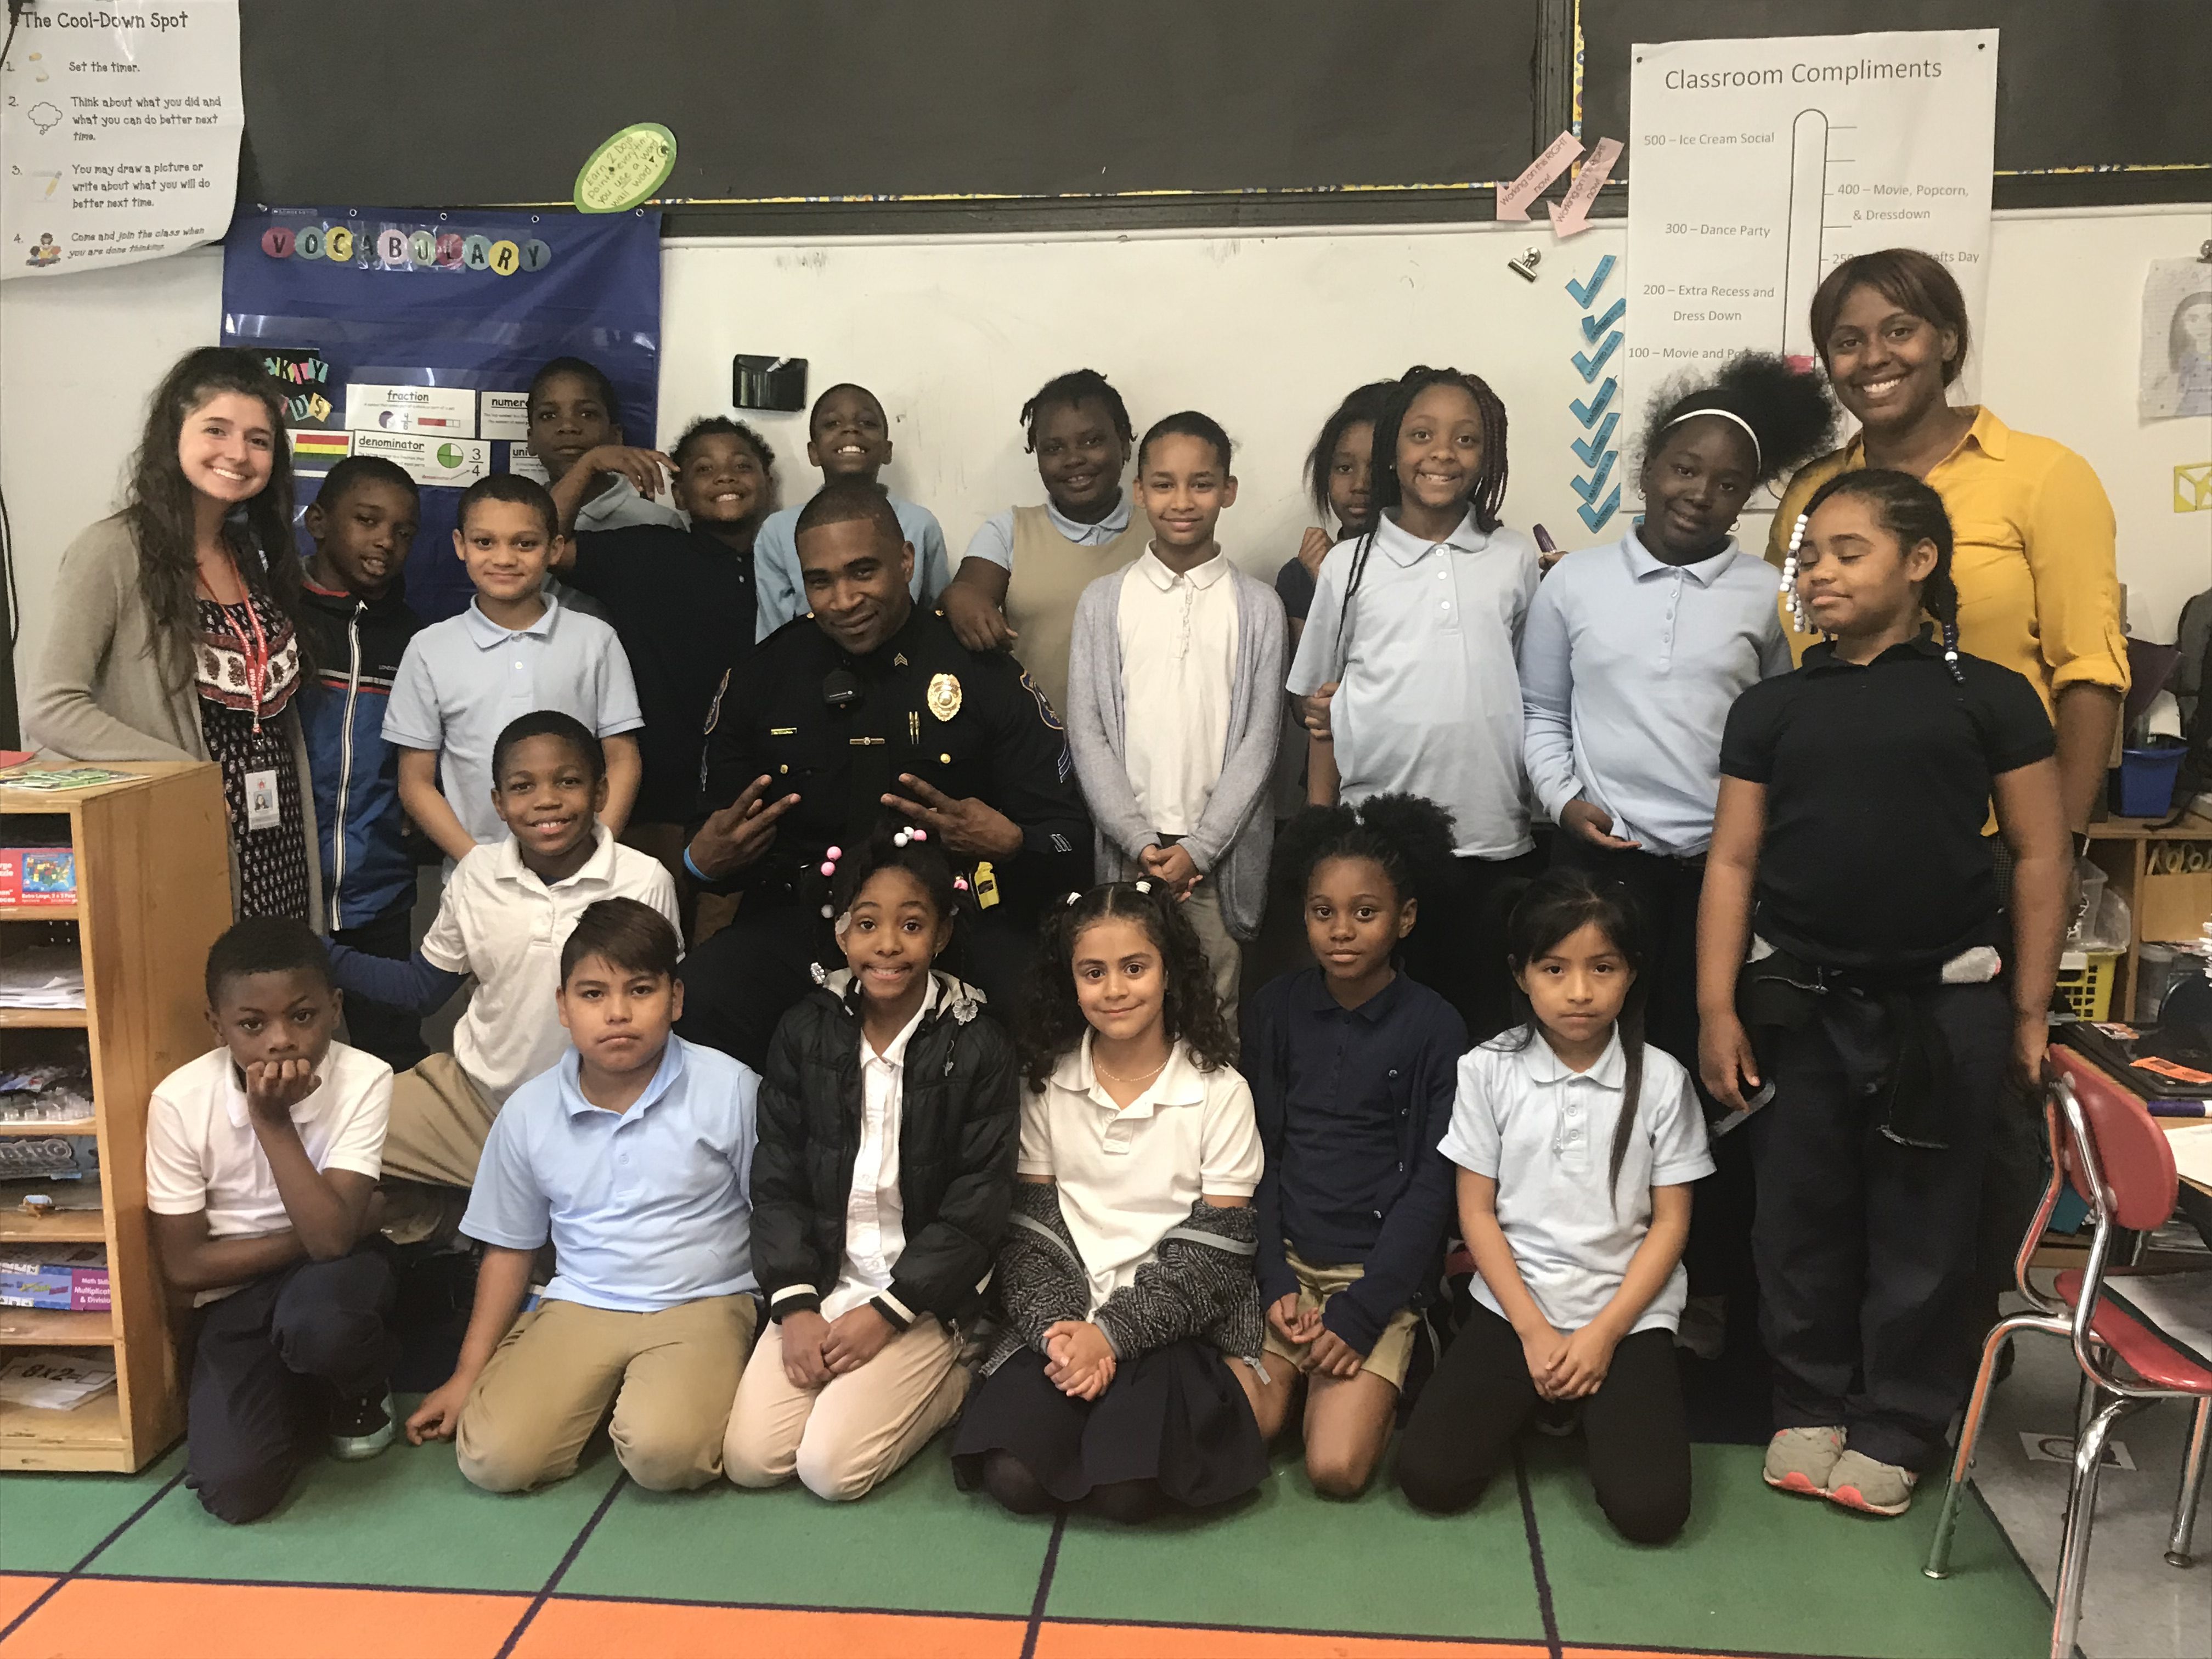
x: 262, y: 811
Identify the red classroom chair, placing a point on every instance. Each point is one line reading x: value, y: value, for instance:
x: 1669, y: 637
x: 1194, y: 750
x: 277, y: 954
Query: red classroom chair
x: 2114, y: 1155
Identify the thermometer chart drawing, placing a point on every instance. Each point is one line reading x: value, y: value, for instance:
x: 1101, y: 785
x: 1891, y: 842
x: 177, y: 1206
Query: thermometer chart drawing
x: 1761, y: 164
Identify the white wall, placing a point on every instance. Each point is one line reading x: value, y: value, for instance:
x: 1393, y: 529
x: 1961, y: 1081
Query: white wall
x: 1263, y: 331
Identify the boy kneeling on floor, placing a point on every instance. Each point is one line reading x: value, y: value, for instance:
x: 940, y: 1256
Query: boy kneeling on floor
x: 261, y: 1164
x: 633, y: 1155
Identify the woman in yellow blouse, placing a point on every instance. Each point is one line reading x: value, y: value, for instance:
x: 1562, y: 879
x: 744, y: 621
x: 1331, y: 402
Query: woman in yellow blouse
x: 2038, y: 589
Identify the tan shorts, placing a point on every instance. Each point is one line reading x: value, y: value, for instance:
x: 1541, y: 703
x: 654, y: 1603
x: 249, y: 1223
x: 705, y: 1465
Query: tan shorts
x: 1392, y: 1352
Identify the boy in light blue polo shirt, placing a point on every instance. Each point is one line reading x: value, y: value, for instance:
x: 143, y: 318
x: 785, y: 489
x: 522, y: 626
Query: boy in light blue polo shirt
x: 514, y: 650
x: 634, y: 1158
x: 847, y: 436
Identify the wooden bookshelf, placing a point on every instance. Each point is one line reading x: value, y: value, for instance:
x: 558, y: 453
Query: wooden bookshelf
x: 153, y: 894
x: 2121, y: 848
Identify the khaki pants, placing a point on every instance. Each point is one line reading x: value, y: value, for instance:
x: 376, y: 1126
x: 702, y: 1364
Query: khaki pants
x: 670, y: 1377
x: 439, y: 1120
x: 1202, y: 909
x: 844, y: 1438
x: 1391, y: 1357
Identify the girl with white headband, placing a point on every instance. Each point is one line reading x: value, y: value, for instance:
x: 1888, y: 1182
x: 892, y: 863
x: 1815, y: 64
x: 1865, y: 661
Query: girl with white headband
x: 1631, y: 657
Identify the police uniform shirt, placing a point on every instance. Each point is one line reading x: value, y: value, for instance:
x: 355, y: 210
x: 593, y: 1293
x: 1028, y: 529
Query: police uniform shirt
x: 969, y: 724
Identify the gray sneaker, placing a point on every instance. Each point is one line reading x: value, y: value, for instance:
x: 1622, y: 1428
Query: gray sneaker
x: 363, y: 1426
x: 1799, y: 1459
x: 1857, y: 1482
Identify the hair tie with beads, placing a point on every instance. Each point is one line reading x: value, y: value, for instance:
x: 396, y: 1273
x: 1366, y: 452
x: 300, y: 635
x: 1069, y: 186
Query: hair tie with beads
x: 1790, y: 575
x: 905, y: 837
x: 1142, y: 886
x: 1951, y: 651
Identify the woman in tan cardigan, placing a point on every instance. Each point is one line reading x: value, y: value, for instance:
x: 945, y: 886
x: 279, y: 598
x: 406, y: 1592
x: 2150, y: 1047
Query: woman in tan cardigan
x: 172, y: 636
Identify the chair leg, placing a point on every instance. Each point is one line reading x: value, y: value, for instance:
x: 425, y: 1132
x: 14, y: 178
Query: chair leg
x: 2192, y: 1486
x: 1970, y: 1428
x: 2074, y: 1545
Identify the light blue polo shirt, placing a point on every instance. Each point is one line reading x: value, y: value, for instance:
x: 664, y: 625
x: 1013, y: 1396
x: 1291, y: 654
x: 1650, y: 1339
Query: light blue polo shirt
x: 646, y: 1208
x: 1628, y: 668
x: 462, y: 680
x: 782, y: 591
x: 1430, y: 702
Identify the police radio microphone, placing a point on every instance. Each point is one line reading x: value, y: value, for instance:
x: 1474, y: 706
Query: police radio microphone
x: 840, y: 689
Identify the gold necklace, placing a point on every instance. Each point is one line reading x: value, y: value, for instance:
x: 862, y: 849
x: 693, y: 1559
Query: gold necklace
x: 1116, y: 1077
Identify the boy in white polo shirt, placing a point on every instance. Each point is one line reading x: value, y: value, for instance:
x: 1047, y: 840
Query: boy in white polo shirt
x: 261, y: 1164
x: 515, y: 649
x: 506, y: 909
x: 633, y: 1157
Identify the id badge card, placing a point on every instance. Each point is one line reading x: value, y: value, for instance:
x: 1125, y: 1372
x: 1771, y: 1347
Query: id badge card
x: 261, y: 811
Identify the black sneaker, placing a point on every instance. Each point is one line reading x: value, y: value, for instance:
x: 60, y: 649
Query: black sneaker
x: 1558, y: 1417
x: 362, y: 1426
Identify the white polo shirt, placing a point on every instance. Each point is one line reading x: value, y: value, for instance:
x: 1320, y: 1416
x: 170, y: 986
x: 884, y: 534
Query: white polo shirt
x: 875, y: 1215
x: 1430, y: 701
x: 501, y: 922
x: 1544, y: 1133
x: 202, y: 1152
x: 1127, y: 1174
x: 463, y: 679
x: 1178, y: 669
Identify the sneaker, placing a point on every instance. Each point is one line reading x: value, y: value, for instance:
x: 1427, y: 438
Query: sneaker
x: 1702, y: 1328
x: 1558, y: 1417
x: 1799, y: 1459
x: 1857, y: 1482
x: 363, y: 1426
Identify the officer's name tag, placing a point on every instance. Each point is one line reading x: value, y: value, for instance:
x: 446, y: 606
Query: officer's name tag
x: 261, y: 811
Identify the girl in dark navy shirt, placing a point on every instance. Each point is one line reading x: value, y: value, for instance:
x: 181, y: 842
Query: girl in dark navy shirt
x: 1856, y: 966
x: 1352, y: 1067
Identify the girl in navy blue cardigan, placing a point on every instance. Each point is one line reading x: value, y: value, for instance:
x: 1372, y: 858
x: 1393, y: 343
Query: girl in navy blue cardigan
x: 1352, y: 1068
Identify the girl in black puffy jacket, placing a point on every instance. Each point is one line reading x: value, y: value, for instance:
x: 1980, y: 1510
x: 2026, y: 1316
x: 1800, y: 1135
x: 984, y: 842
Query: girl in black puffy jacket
x: 888, y: 1118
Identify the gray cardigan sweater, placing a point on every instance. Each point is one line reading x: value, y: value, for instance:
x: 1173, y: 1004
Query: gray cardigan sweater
x: 1236, y: 832
x: 100, y: 692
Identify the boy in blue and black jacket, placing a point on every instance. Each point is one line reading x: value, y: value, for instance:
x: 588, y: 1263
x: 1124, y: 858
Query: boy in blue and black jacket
x: 357, y: 625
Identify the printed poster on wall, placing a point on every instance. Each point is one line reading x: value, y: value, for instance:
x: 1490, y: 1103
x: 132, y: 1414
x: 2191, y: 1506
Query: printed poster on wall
x: 413, y: 334
x: 121, y: 124
x: 1760, y: 164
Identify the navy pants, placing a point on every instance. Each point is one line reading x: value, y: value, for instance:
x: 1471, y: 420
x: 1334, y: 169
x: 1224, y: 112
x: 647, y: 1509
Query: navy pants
x: 1867, y: 1246
x: 271, y: 1357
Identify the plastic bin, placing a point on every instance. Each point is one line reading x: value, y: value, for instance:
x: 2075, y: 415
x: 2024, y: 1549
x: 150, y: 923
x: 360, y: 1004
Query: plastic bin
x: 2143, y: 784
x: 2086, y: 992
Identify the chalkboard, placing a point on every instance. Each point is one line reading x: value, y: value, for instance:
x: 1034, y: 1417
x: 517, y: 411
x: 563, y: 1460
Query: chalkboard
x: 2111, y: 84
x: 778, y: 102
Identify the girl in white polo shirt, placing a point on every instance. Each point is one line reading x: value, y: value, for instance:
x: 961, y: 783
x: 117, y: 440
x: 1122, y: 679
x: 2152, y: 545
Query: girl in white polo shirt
x: 1125, y: 1378
x: 1576, y: 1144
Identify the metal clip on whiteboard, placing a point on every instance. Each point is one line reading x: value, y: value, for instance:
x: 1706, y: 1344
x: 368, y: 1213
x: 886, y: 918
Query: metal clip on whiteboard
x: 1525, y: 266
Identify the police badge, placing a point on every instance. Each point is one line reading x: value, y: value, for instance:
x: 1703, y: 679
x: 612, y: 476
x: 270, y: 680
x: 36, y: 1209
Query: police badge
x: 944, y: 696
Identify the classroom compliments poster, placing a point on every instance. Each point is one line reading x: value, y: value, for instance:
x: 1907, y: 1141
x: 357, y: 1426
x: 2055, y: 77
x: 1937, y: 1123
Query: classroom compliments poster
x: 1760, y: 164
x: 120, y: 122
x: 412, y: 334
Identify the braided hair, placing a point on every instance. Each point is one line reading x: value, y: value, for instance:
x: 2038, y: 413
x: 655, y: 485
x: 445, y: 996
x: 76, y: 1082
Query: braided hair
x: 1362, y: 406
x: 1052, y: 1024
x: 1385, y: 491
x: 1077, y: 385
x: 1557, y: 904
x: 1909, y: 510
x: 1409, y: 837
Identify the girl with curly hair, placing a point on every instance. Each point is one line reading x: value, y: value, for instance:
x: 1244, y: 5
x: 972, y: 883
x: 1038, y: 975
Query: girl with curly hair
x: 1126, y: 1378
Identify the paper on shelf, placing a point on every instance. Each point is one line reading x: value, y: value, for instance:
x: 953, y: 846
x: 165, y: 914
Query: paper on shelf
x: 54, y: 1382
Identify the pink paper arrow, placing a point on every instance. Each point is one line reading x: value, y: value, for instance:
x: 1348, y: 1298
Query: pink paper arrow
x: 1572, y: 217
x: 1558, y: 155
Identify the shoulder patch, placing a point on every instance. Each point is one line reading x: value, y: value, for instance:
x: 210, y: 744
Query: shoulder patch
x: 1044, y: 702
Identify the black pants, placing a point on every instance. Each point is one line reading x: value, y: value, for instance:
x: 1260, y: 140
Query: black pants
x: 1457, y: 947
x: 1462, y: 1432
x: 1866, y: 1247
x: 1667, y: 892
x: 742, y: 981
x: 393, y: 1035
x: 268, y: 1357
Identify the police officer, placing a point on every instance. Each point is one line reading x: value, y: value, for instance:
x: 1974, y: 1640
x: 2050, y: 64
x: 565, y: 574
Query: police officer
x: 864, y: 710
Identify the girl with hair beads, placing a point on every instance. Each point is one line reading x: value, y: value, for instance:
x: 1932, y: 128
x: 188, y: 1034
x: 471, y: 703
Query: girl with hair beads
x: 1849, y: 966
x: 1352, y: 1064
x: 888, y: 1122
x: 1020, y: 578
x: 1126, y: 1378
x: 1577, y: 1251
x: 1407, y: 663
